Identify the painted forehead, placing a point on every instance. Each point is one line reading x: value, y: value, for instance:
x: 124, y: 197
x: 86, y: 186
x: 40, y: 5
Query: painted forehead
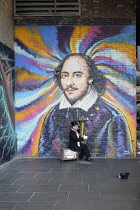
x: 75, y: 57
x: 76, y: 60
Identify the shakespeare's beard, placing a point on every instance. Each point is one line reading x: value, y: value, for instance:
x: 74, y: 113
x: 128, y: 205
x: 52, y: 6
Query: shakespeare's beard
x: 74, y: 95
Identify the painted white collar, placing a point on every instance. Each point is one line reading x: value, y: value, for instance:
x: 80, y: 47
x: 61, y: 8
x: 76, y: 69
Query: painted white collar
x: 84, y: 104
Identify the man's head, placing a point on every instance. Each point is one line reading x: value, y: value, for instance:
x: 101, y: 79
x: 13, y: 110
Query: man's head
x: 76, y: 74
x: 74, y: 125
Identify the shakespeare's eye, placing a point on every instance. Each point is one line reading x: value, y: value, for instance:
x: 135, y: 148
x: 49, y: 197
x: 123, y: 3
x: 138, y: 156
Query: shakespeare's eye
x: 64, y: 75
x: 77, y: 75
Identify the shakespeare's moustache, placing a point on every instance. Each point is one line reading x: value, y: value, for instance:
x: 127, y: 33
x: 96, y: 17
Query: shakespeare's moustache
x: 70, y: 88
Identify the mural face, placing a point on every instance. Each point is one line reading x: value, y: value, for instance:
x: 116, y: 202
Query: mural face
x: 75, y: 79
x: 65, y: 73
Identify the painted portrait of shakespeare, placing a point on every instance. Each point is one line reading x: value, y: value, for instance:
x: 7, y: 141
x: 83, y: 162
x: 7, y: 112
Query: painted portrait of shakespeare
x: 83, y: 85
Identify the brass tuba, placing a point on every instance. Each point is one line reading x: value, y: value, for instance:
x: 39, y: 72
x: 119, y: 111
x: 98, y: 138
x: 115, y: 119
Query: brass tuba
x: 82, y: 122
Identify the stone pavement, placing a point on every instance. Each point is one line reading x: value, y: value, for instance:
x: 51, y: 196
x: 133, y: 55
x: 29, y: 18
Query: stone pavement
x: 48, y: 184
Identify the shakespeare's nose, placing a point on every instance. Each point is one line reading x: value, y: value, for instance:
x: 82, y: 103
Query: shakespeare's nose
x: 69, y: 81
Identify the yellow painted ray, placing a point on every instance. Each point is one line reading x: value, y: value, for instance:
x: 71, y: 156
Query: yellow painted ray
x: 29, y: 111
x: 32, y: 39
x: 78, y: 34
x: 23, y: 75
x: 126, y: 48
x: 99, y: 66
x: 35, y: 143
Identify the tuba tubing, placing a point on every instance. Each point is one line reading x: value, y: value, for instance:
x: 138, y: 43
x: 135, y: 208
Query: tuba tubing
x: 82, y: 128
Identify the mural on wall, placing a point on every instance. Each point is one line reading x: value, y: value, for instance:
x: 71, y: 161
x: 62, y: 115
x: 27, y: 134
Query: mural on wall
x: 8, y: 140
x: 65, y: 73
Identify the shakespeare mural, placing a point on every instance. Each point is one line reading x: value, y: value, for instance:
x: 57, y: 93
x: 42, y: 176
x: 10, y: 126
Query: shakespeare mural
x: 65, y: 73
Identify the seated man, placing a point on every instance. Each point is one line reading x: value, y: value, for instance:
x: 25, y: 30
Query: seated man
x: 76, y: 142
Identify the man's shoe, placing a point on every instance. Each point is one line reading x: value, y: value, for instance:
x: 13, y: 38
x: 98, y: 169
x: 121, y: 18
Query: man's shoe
x: 89, y: 160
x: 80, y: 158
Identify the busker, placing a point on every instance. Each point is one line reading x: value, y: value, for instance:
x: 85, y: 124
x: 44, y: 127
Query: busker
x: 76, y: 142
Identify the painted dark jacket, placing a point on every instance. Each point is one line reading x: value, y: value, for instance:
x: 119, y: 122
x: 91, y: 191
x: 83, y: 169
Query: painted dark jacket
x: 107, y: 131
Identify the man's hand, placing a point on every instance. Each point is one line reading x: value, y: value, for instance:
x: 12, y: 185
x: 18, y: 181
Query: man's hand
x: 85, y: 137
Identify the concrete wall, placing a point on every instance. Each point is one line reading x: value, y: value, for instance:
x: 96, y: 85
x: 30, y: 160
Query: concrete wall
x: 6, y: 22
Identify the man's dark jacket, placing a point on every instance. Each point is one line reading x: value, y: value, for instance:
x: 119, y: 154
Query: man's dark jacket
x: 73, y: 141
